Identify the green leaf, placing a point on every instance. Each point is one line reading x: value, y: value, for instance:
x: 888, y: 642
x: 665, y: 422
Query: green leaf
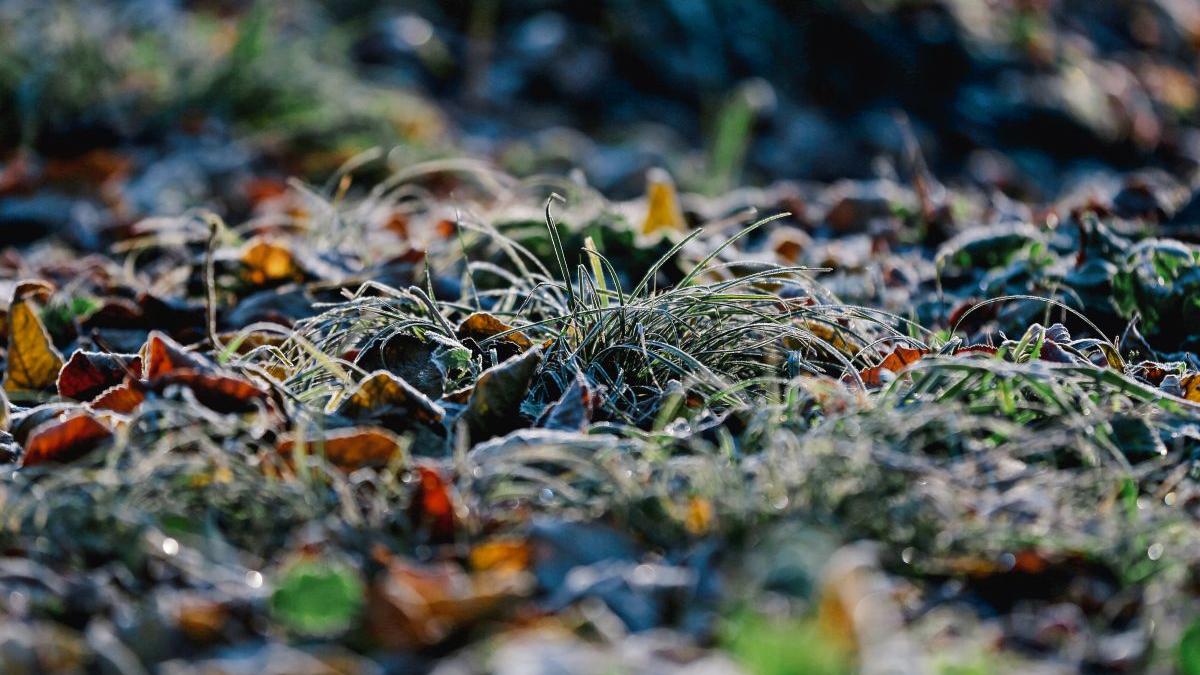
x: 318, y: 597
x: 1189, y: 650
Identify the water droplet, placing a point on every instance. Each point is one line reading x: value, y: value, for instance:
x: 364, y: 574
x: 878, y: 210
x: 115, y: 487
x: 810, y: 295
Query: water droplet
x: 254, y: 579
x: 170, y: 546
x: 1155, y: 551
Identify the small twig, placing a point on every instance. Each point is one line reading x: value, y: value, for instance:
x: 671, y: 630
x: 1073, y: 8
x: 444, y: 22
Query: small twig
x: 210, y: 279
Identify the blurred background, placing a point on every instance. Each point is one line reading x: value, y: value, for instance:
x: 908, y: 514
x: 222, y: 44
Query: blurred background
x: 207, y: 102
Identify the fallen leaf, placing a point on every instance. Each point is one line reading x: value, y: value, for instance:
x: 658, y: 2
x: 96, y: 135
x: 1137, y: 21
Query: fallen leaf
x: 64, y: 440
x: 663, y: 211
x: 122, y: 398
x: 87, y: 374
x: 162, y: 355
x: 266, y: 261
x: 1189, y: 386
x: 412, y: 606
x: 317, y: 597
x: 392, y: 402
x: 33, y: 361
x: 432, y: 506
x: 352, y: 448
x: 900, y: 358
x: 481, y: 326
x: 219, y: 392
x: 494, y: 407
x: 501, y: 554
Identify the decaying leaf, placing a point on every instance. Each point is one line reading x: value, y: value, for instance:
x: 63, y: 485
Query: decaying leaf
x: 33, y: 361
x: 391, y: 401
x: 481, y: 326
x: 573, y: 411
x: 495, y: 404
x: 351, y: 448
x: 64, y: 440
x: 88, y: 374
x: 1189, y: 385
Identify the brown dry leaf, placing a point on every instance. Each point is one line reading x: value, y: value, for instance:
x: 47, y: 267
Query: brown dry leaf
x: 663, y: 212
x: 267, y: 261
x: 393, y: 401
x: 481, y: 325
x: 88, y: 374
x: 828, y: 334
x: 352, y: 448
x: 33, y: 361
x: 413, y: 606
x: 65, y: 439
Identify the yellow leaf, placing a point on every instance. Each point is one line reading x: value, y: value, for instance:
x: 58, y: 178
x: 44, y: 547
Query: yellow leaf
x: 663, y: 210
x: 266, y: 261
x: 33, y: 362
x: 1189, y: 385
x: 700, y: 516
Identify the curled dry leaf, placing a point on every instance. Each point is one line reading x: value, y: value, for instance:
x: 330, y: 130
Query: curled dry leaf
x: 123, y: 398
x: 481, y: 326
x: 900, y: 358
x: 88, y: 374
x: 65, y: 440
x: 391, y: 401
x: 352, y: 448
x: 494, y: 407
x: 161, y: 355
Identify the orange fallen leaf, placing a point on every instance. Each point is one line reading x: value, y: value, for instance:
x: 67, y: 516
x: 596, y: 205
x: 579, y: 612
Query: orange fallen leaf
x: 501, y: 554
x: 481, y: 326
x: 391, y: 400
x: 412, y: 606
x: 352, y: 448
x: 1189, y: 386
x: 900, y: 358
x: 267, y: 261
x: 122, y: 398
x: 65, y: 439
x: 161, y: 355
x: 432, y: 507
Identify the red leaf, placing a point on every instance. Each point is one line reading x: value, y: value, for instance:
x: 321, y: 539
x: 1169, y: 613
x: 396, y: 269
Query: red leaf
x: 88, y: 374
x: 64, y: 440
x: 432, y: 507
x: 123, y: 398
x: 162, y: 355
x: 900, y: 358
